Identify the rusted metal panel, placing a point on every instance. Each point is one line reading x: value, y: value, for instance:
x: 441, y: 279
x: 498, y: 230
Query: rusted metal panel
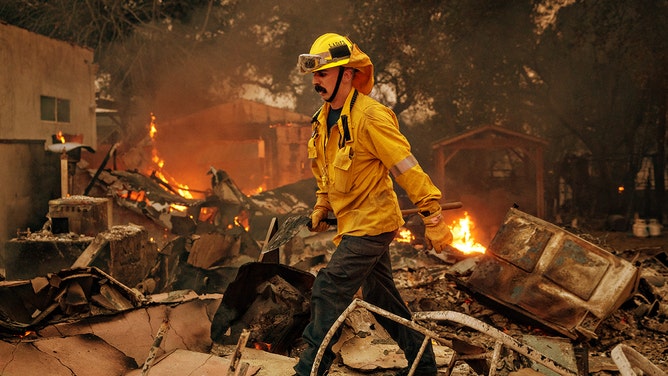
x: 552, y: 276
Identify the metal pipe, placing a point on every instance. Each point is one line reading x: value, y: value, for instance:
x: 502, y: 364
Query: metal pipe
x: 501, y: 339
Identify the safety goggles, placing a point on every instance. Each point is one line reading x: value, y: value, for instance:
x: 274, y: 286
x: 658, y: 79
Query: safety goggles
x: 310, y: 62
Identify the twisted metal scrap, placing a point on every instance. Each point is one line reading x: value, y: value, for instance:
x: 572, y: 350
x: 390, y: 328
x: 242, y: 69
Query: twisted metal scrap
x: 632, y: 363
x: 287, y: 231
x: 501, y: 339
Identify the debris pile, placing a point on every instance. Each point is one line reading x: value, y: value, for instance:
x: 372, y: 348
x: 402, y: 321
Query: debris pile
x: 212, y: 296
x: 639, y: 322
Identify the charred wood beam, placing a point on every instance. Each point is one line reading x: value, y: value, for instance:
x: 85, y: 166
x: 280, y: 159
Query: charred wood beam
x: 99, y: 169
x: 154, y: 349
x: 91, y: 252
x: 236, y: 357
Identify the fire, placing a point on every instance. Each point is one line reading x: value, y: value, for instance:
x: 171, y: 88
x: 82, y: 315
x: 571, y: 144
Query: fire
x: 159, y: 163
x: 462, y: 238
x: 405, y: 236
x: 27, y: 334
x: 242, y: 220
x: 137, y: 196
x: 61, y: 137
x: 178, y: 208
x: 461, y: 229
x: 256, y: 191
x: 262, y: 346
x: 153, y: 129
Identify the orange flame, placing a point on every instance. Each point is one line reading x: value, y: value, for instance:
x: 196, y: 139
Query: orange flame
x: 262, y: 346
x: 178, y: 208
x: 256, y: 191
x: 153, y: 129
x: 159, y: 163
x: 242, y: 220
x: 61, y: 137
x: 26, y: 334
x: 405, y: 236
x: 462, y: 237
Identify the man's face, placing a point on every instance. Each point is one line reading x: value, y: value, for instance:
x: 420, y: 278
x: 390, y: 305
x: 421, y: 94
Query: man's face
x: 324, y: 81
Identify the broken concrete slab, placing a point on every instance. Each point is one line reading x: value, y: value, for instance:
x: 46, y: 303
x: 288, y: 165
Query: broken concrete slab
x: 24, y: 359
x: 132, y: 332
x: 366, y: 346
x: 123, y: 339
x: 86, y: 354
x: 39, y: 253
x: 124, y: 251
x: 183, y: 362
x: 268, y: 364
x: 367, y: 354
x: 83, y: 355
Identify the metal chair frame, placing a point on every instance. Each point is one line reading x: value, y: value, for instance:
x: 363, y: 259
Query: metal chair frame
x: 500, y: 339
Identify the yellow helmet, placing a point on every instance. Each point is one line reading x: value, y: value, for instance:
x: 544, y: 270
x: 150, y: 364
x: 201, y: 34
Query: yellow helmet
x: 334, y: 50
x: 328, y: 51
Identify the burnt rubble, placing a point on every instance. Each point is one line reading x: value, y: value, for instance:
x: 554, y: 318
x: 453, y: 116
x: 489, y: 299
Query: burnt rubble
x: 190, y: 285
x: 69, y: 295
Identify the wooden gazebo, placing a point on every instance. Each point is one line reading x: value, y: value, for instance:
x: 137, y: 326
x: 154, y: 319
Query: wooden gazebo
x: 490, y: 138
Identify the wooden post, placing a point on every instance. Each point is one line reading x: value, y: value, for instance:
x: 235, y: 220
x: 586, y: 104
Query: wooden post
x: 234, y: 362
x: 154, y: 349
x: 90, y: 253
x: 64, y: 178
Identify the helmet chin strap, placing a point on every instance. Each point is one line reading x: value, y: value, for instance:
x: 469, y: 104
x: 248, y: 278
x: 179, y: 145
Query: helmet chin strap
x: 338, y: 83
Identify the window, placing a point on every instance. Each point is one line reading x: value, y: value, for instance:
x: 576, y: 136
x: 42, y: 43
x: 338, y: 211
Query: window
x: 54, y: 109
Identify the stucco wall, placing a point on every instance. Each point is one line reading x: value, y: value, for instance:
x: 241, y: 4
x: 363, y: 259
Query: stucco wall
x: 32, y: 65
x: 31, y: 177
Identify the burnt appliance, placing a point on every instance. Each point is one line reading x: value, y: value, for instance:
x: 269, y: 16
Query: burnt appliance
x: 552, y: 276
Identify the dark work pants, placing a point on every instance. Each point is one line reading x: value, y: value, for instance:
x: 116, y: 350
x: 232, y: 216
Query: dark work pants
x: 358, y: 261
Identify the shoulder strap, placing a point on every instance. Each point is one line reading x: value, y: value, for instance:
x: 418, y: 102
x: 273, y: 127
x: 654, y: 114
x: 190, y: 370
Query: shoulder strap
x: 344, y: 120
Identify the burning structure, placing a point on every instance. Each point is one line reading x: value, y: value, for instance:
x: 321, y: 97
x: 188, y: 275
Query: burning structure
x: 262, y: 147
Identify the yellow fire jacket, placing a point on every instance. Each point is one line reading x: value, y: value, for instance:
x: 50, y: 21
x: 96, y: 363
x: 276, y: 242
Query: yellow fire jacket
x: 352, y: 166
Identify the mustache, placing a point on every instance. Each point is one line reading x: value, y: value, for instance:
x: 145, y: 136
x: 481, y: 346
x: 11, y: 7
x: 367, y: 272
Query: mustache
x: 320, y: 89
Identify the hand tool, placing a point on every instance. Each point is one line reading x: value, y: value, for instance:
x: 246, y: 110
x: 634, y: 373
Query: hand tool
x: 292, y: 225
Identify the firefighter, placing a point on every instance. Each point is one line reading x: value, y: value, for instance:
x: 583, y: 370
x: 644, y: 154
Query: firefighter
x: 355, y: 146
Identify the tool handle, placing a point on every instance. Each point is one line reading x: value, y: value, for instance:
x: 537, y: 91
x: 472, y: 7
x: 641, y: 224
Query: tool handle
x: 405, y: 212
x: 444, y: 206
x: 329, y: 221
